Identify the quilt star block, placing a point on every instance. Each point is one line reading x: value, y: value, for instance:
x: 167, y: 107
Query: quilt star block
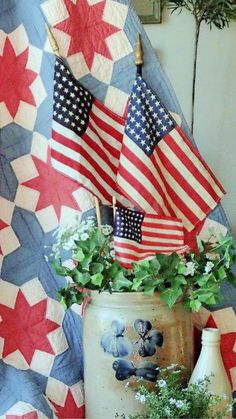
x: 31, y: 332
x: 90, y: 35
x: 22, y: 89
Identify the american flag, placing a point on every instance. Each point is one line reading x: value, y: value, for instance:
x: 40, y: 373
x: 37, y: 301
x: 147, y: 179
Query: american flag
x: 140, y: 236
x: 160, y: 171
x: 86, y: 137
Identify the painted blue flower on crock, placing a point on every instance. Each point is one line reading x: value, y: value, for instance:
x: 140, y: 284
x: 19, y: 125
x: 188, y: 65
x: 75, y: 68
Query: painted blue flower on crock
x: 125, y: 369
x: 149, y: 339
x: 115, y: 343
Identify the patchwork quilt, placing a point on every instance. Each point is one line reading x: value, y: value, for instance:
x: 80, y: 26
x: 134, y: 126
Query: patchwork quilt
x: 41, y: 367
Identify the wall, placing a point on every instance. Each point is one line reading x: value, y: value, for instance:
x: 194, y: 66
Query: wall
x: 215, y: 110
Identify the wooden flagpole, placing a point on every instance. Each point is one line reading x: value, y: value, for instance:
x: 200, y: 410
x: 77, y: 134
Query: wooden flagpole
x: 98, y: 212
x: 53, y: 42
x: 114, y: 209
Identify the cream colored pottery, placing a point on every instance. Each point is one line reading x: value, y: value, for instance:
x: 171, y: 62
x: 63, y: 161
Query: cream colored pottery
x: 128, y: 336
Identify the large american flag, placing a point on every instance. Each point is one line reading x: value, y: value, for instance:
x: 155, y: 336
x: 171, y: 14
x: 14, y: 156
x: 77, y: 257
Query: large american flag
x: 140, y: 236
x: 86, y: 137
x: 160, y: 171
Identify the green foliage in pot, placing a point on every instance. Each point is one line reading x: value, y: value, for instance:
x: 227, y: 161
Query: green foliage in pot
x: 171, y: 398
x: 196, y: 277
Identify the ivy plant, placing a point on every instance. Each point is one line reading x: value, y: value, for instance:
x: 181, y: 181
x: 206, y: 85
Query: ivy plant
x: 194, y: 277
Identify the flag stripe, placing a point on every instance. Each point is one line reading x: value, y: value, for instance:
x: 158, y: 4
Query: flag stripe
x: 170, y: 156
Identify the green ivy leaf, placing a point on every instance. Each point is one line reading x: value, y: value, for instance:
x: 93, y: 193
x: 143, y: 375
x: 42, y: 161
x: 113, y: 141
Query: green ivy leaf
x: 78, y: 254
x: 171, y: 295
x: 60, y: 270
x: 97, y: 279
x: 80, y: 278
x: 120, y: 282
x: 137, y: 282
x: 96, y: 268
x: 195, y: 305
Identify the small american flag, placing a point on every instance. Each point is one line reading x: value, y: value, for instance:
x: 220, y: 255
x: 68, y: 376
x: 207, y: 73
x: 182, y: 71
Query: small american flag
x: 140, y: 236
x: 86, y: 137
x: 160, y: 171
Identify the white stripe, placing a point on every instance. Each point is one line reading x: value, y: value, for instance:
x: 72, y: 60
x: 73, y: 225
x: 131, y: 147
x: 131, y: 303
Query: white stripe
x: 140, y: 176
x: 130, y: 191
x: 187, y: 150
x: 95, y: 138
x: 164, y: 221
x: 161, y: 231
x: 72, y: 136
x: 104, y: 117
x: 73, y: 174
x: 105, y: 136
x: 183, y: 195
x: 183, y: 170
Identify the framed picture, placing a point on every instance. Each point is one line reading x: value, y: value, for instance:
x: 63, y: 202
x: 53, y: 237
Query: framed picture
x: 149, y: 11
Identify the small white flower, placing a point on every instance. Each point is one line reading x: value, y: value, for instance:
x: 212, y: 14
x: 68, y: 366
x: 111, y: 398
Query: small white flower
x: 172, y: 401
x: 177, y: 372
x: 84, y: 236
x: 112, y: 254
x: 208, y: 267
x: 167, y: 411
x: 190, y: 268
x: 162, y: 383
x: 179, y: 404
x: 107, y: 229
x: 140, y: 397
x: 224, y: 397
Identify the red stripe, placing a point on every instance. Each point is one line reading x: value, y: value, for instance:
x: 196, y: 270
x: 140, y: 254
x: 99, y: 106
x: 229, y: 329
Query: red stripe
x: 175, y: 197
x: 163, y: 226
x: 106, y: 127
x: 192, y: 168
x: 106, y: 146
x: 59, y: 138
x: 195, y: 151
x: 183, y: 182
x: 163, y: 235
x: 128, y: 153
x: 125, y: 245
x: 83, y: 171
x: 108, y: 112
x: 142, y: 191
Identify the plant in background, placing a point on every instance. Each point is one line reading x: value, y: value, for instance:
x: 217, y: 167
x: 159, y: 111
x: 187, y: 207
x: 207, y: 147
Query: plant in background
x: 194, y: 277
x: 217, y: 13
x: 171, y: 398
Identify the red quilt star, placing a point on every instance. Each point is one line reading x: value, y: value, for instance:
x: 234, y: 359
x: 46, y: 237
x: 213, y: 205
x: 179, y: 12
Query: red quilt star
x: 228, y: 341
x: 55, y: 189
x: 70, y: 409
x: 30, y: 415
x: 15, y: 79
x: 87, y: 29
x: 25, y: 328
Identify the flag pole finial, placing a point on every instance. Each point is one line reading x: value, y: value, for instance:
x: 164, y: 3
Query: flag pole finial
x: 139, y: 61
x: 53, y: 42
